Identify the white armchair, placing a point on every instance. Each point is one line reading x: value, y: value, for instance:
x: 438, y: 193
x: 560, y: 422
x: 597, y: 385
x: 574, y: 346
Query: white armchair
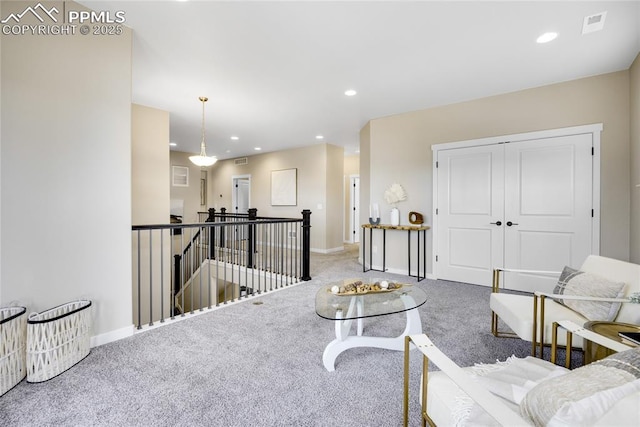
x: 456, y: 396
x: 530, y: 316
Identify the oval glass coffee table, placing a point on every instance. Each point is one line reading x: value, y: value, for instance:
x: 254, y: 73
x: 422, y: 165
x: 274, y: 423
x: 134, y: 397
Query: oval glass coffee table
x: 347, y: 307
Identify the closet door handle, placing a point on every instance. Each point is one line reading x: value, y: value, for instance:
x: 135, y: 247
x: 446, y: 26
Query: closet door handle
x: 509, y: 223
x: 498, y: 223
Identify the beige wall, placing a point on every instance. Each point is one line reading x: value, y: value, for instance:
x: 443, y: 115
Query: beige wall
x: 351, y: 167
x: 150, y: 205
x: 365, y: 174
x: 334, y: 197
x: 400, y: 148
x: 634, y: 105
x: 66, y: 152
x: 314, y: 192
x: 189, y: 195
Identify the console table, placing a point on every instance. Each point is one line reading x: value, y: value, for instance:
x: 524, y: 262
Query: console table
x: 408, y: 228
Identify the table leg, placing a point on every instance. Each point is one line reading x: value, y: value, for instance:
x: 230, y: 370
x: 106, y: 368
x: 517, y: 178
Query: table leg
x: 364, y: 248
x: 344, y: 341
x: 409, y: 253
x: 384, y: 249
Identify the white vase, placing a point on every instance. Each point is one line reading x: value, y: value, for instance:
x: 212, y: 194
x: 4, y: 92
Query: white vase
x: 395, y: 216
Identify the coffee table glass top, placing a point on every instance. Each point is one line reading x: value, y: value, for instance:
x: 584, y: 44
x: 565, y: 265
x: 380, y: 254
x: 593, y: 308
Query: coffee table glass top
x: 336, y: 306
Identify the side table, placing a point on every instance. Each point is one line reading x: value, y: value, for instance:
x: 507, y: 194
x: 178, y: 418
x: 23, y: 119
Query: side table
x: 610, y: 330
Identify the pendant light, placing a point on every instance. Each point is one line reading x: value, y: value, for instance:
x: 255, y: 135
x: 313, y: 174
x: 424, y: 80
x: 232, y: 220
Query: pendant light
x: 202, y: 159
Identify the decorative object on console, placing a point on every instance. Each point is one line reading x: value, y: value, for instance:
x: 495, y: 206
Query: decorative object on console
x: 374, y: 214
x: 416, y: 218
x: 202, y: 159
x: 393, y: 195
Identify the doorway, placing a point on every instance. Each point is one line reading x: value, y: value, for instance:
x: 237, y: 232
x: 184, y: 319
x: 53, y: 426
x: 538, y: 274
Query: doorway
x: 240, y: 193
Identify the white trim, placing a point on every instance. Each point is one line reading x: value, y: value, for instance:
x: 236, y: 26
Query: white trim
x: 352, y: 221
x: 549, y: 133
x: 205, y: 310
x: 595, y: 225
x: 327, y: 251
x: 112, y: 336
x: 594, y: 129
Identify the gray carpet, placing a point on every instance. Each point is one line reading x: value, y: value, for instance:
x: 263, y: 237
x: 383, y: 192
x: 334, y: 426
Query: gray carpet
x: 253, y: 364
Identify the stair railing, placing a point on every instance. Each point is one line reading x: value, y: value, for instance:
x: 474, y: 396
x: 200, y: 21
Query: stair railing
x: 228, y: 257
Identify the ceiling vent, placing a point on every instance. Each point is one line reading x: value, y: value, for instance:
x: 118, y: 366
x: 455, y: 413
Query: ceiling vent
x: 241, y: 161
x: 593, y: 23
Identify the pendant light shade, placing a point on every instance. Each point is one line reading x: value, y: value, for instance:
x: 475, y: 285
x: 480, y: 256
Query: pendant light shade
x: 202, y: 159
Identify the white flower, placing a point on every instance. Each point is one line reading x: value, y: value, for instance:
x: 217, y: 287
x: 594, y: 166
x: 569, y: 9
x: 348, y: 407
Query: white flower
x: 395, y: 194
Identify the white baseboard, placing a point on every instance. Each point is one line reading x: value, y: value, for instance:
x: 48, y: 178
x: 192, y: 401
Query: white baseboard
x: 399, y: 271
x: 111, y: 336
x: 327, y: 251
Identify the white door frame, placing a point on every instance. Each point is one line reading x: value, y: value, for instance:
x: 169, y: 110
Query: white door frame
x: 354, y: 237
x: 593, y: 129
x: 234, y: 179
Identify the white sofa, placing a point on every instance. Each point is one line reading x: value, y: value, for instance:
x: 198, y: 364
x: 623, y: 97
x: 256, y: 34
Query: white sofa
x: 461, y: 396
x: 517, y: 310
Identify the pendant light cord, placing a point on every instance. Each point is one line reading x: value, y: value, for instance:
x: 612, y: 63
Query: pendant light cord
x: 202, y: 146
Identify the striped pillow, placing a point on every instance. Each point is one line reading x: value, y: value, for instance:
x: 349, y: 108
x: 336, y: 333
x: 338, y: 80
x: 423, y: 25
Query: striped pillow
x: 580, y: 283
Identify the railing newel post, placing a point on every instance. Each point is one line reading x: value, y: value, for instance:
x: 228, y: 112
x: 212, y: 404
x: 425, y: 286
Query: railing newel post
x: 253, y: 213
x: 223, y: 218
x: 212, y: 233
x: 306, y: 244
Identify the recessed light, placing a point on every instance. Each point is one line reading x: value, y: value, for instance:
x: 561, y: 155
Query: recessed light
x: 235, y: 138
x: 173, y: 144
x: 350, y: 92
x: 547, y: 37
x: 319, y: 137
x: 257, y: 148
x: 228, y: 151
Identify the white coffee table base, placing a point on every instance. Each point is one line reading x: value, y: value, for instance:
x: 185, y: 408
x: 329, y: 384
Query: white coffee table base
x: 344, y: 341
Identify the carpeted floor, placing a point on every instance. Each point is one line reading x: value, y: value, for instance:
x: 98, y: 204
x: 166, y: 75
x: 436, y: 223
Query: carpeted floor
x: 251, y: 364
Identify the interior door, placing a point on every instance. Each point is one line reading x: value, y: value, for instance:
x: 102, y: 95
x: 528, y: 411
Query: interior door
x: 521, y: 205
x: 548, y: 208
x: 470, y: 185
x: 241, y: 194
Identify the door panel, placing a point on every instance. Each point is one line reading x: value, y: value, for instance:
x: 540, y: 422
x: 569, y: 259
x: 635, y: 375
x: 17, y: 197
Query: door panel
x: 548, y: 184
x: 470, y: 198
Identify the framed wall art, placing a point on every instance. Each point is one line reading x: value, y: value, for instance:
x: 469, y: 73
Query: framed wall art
x: 284, y: 187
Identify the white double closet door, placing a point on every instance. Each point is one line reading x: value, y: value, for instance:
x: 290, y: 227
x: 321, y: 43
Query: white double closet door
x: 524, y: 205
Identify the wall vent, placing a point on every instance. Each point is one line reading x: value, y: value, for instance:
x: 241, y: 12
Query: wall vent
x: 241, y: 161
x: 593, y: 23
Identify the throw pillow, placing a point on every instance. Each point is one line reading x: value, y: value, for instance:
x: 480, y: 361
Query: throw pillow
x: 580, y: 283
x: 584, y: 395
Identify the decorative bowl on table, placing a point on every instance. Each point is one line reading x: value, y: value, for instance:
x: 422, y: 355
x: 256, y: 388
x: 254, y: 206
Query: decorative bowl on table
x: 358, y: 287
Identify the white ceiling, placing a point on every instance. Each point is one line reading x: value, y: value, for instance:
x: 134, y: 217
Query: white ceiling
x: 275, y: 72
